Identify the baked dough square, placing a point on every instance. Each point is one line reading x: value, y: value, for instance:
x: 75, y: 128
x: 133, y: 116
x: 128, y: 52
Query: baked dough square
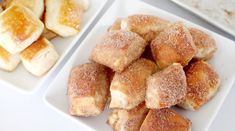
x: 205, y: 44
x: 128, y: 88
x: 127, y: 120
x: 36, y: 6
x: 173, y: 45
x: 166, y: 88
x: 118, y: 49
x: 64, y: 17
x: 19, y: 28
x: 88, y: 87
x: 39, y: 57
x: 165, y: 120
x: 8, y: 61
x: 203, y: 83
x: 147, y: 26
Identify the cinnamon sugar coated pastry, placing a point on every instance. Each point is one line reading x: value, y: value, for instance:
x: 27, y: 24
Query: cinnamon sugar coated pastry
x: 8, y: 61
x: 205, y: 44
x: 128, y: 87
x: 19, y: 28
x: 39, y: 57
x: 118, y: 49
x: 88, y: 87
x: 36, y: 6
x: 127, y: 120
x: 64, y: 17
x: 165, y: 120
x: 203, y: 82
x: 141, y: 68
x: 116, y: 25
x: 166, y: 88
x: 146, y: 26
x: 173, y: 45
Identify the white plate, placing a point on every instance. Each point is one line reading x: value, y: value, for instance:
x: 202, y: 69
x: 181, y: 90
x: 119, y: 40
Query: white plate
x: 23, y: 81
x: 56, y: 96
x: 213, y: 11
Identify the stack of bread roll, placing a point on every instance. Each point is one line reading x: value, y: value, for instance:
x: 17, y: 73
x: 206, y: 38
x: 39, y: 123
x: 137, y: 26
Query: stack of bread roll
x: 26, y: 26
x: 146, y: 65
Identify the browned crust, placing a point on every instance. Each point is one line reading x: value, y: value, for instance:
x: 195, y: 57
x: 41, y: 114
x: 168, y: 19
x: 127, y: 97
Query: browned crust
x: 173, y: 45
x: 165, y: 120
x: 29, y: 4
x: 5, y: 55
x: 18, y: 21
x: 170, y: 85
x: 132, y: 82
x: 88, y: 89
x: 202, y: 79
x: 30, y: 52
x: 146, y: 25
x: 133, y: 118
x: 134, y: 77
x: 85, y: 78
x: 118, y: 49
x: 204, y: 43
x: 71, y: 14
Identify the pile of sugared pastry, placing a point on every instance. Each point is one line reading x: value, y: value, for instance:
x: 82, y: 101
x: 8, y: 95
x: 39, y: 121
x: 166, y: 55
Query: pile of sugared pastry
x: 146, y: 65
x: 26, y: 28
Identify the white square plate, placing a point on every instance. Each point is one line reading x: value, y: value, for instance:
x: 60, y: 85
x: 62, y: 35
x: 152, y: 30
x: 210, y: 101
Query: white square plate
x: 56, y: 95
x: 220, y: 13
x: 23, y: 81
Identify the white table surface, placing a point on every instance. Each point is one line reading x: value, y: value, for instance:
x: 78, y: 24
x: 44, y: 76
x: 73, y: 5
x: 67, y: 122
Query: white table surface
x: 19, y: 112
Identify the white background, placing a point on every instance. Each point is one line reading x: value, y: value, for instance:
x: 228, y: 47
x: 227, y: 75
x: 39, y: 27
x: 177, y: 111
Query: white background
x: 28, y: 112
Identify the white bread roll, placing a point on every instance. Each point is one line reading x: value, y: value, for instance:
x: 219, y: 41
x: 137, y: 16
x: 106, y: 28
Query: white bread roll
x: 64, y: 17
x: 39, y: 57
x: 19, y: 28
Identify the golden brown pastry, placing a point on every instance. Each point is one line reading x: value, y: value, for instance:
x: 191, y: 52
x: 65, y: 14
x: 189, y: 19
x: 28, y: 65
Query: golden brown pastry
x: 205, y: 44
x: 8, y: 61
x: 116, y: 25
x: 166, y: 88
x: 64, y: 17
x: 36, y: 6
x: 165, y: 120
x: 118, y: 49
x: 203, y: 82
x: 128, y: 87
x: 173, y: 45
x: 146, y: 26
x: 88, y: 87
x: 19, y: 28
x: 127, y: 120
x: 39, y: 57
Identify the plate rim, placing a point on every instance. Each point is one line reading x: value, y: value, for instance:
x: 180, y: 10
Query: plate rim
x: 204, y: 17
x: 45, y: 95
